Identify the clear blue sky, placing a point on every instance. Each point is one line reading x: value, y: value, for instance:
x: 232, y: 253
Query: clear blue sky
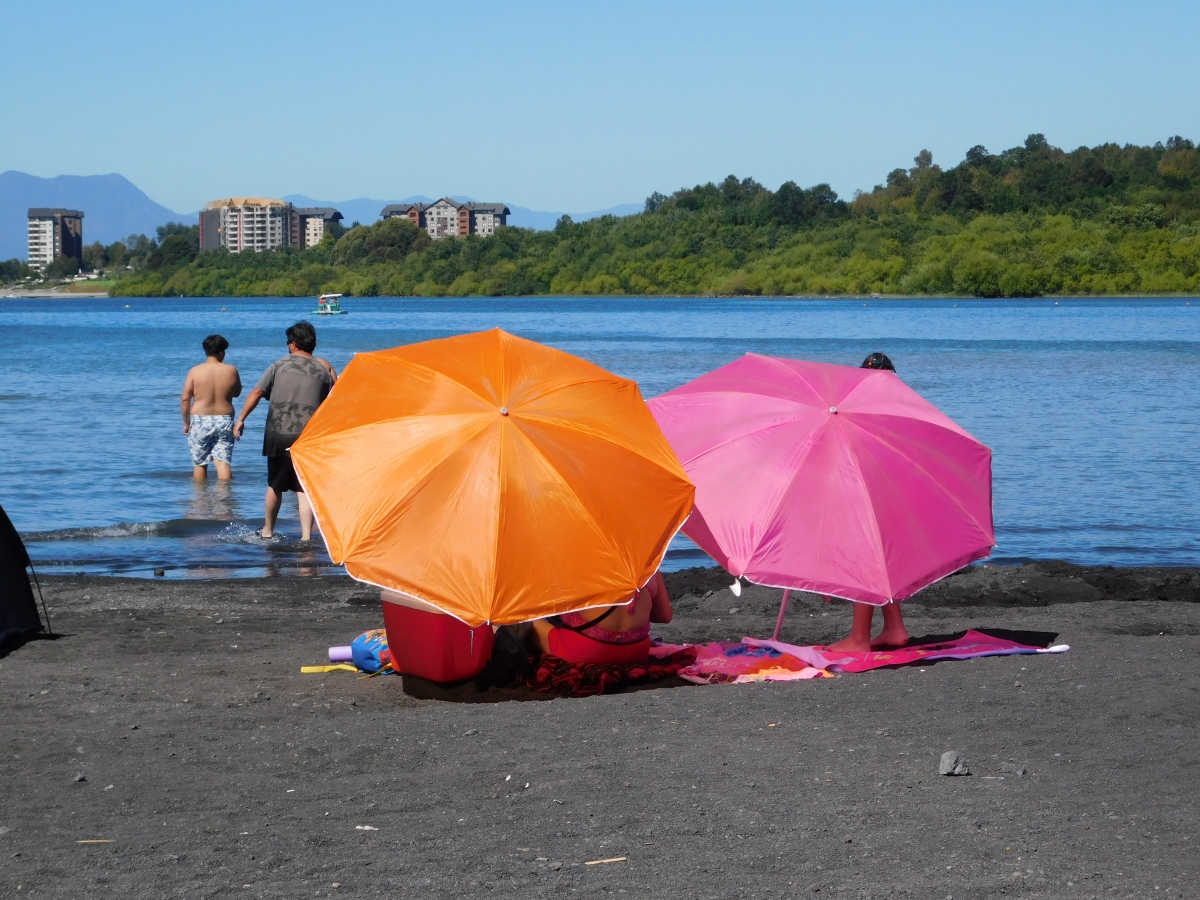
x: 571, y: 105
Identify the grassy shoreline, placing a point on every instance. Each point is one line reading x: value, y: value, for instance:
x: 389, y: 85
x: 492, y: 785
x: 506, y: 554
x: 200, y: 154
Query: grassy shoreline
x: 55, y: 293
x: 901, y: 253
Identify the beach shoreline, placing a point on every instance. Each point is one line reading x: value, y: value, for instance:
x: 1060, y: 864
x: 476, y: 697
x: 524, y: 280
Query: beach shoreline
x: 51, y: 294
x: 228, y: 768
x: 58, y: 294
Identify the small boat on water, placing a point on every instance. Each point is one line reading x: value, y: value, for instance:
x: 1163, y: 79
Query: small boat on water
x: 329, y: 305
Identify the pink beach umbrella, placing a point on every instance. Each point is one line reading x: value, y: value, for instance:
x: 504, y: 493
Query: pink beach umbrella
x: 831, y: 479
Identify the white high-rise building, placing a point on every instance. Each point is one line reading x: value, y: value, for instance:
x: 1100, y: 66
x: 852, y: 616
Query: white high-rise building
x: 248, y: 223
x: 257, y: 223
x: 54, y: 233
x: 41, y: 242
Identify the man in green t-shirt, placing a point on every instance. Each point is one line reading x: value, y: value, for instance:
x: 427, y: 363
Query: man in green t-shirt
x: 296, y: 385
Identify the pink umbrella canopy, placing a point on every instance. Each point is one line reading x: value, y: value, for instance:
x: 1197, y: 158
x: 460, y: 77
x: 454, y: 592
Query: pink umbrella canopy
x: 831, y: 479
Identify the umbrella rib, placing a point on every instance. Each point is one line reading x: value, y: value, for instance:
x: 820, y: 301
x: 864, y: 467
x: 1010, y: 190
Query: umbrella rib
x: 811, y: 438
x: 871, y: 510
x: 861, y: 383
x: 901, y: 452
x: 915, y: 464
x: 712, y: 448
x: 550, y: 573
x: 611, y: 379
x: 947, y: 425
x: 403, y: 361
x: 416, y: 488
x: 778, y: 363
x: 403, y: 417
x: 599, y: 377
x: 566, y: 484
x: 449, y: 520
x: 557, y: 422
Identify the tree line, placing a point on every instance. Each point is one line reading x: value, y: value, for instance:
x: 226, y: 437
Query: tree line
x: 1027, y: 221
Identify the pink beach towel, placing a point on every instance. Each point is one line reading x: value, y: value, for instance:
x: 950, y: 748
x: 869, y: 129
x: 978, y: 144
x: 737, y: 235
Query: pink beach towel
x: 752, y: 659
x: 970, y: 645
x: 729, y: 662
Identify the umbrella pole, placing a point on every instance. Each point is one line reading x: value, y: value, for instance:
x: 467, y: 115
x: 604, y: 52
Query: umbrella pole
x: 787, y: 592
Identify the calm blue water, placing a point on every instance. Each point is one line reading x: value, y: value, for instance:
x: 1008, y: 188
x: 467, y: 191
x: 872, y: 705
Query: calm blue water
x: 1090, y: 407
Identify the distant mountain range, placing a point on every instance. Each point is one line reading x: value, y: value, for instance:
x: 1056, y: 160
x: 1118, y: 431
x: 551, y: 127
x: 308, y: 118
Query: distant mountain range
x: 115, y: 208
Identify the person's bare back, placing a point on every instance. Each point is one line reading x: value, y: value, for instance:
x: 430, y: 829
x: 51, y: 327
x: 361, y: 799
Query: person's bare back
x: 212, y: 386
x: 207, y: 408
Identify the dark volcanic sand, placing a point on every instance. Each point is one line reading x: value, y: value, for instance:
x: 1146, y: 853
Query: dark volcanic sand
x: 233, y: 775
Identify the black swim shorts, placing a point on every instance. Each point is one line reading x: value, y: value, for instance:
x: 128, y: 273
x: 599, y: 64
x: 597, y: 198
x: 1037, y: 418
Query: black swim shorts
x: 281, y: 475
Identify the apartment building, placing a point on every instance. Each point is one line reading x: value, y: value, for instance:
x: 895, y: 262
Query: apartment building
x: 487, y: 217
x: 53, y: 233
x: 241, y: 224
x: 309, y: 224
x: 449, y: 218
x: 210, y: 229
x: 256, y: 223
x: 414, y: 212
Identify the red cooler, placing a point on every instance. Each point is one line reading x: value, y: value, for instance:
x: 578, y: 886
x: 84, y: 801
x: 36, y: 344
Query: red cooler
x: 431, y: 644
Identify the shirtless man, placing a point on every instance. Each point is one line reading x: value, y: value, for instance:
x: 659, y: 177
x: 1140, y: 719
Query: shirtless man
x: 207, y: 408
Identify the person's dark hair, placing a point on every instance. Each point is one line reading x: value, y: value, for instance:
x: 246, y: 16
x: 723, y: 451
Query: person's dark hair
x: 214, y: 345
x: 304, y: 336
x: 878, y: 361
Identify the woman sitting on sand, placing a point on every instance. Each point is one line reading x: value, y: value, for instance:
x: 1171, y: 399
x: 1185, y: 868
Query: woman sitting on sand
x: 619, y: 634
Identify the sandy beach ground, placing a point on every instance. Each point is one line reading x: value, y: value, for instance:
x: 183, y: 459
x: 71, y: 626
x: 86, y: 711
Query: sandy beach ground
x: 165, y: 745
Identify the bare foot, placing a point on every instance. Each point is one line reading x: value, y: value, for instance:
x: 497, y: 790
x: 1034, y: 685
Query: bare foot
x: 890, y: 639
x: 266, y: 534
x: 859, y: 639
x: 850, y: 645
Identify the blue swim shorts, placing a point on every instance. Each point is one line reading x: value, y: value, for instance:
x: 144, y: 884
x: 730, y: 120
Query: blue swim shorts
x: 211, y: 438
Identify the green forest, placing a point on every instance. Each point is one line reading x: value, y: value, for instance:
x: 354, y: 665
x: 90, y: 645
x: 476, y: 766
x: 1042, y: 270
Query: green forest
x: 1032, y: 220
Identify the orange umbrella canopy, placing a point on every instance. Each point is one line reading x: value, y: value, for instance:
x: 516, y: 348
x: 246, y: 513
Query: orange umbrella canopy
x: 494, y: 477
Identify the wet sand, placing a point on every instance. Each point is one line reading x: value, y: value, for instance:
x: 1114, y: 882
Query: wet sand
x: 213, y: 768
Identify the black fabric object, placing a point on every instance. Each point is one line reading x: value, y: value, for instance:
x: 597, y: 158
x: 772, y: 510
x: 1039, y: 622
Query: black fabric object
x: 18, y: 613
x: 281, y: 474
x: 508, y: 663
x: 557, y: 622
x: 878, y: 361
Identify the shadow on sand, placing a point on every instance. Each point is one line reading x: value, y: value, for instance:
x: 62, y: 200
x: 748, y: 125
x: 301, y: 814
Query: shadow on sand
x: 13, y: 643
x: 1029, y: 638
x: 470, y: 692
x: 478, y: 690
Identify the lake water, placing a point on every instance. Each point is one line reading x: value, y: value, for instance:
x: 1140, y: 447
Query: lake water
x: 1090, y: 408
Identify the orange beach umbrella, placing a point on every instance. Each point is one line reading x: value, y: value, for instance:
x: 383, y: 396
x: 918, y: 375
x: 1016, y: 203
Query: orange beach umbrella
x: 494, y: 477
